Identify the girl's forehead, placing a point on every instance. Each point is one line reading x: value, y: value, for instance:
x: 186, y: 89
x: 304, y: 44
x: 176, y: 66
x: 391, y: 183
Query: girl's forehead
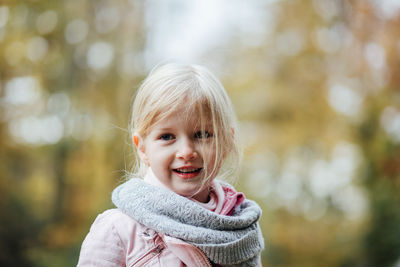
x: 183, y: 116
x: 187, y: 112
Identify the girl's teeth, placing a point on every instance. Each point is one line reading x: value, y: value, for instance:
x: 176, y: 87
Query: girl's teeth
x: 188, y: 170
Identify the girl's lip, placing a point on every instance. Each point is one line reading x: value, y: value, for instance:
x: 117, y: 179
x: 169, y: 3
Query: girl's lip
x: 187, y: 172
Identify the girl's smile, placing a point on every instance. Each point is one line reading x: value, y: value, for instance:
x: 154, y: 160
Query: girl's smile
x: 187, y: 172
x: 180, y: 154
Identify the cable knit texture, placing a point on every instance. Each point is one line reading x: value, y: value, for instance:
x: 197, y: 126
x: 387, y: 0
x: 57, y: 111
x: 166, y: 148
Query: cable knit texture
x: 226, y: 240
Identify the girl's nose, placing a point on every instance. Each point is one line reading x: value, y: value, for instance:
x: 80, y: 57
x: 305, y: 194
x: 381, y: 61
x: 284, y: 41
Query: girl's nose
x: 186, y: 151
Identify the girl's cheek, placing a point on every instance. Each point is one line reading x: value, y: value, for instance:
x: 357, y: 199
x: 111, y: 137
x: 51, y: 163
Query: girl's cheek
x: 209, y: 155
x: 207, y: 150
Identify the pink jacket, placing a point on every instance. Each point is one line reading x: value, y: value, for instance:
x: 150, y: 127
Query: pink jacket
x: 115, y: 239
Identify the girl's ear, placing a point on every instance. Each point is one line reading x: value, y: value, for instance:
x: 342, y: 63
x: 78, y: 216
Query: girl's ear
x: 136, y: 140
x: 139, y: 143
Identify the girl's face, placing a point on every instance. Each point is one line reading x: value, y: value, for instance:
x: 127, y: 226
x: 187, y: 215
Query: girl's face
x: 177, y: 151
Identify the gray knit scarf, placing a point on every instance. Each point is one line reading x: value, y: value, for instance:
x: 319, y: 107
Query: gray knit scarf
x: 225, y: 240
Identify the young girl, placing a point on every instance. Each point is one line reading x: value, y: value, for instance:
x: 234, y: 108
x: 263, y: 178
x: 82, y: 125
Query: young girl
x: 179, y: 214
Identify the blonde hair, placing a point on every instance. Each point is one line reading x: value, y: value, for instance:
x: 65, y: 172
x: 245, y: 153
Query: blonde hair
x: 172, y: 86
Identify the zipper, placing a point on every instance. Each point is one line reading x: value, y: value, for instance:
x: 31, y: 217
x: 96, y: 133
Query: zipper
x: 208, y: 262
x: 149, y: 255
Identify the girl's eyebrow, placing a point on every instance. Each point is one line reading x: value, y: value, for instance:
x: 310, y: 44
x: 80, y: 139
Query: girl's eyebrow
x: 164, y: 129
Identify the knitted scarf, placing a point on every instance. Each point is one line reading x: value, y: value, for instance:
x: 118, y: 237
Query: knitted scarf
x: 226, y: 240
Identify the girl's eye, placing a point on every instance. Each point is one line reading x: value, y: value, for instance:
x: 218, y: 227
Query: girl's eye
x: 166, y: 137
x: 201, y: 135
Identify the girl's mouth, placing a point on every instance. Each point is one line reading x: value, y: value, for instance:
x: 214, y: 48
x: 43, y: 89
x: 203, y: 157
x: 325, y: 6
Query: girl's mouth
x: 187, y: 173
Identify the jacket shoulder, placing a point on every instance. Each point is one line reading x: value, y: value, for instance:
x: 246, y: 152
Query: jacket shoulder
x: 108, y: 240
x: 114, y: 217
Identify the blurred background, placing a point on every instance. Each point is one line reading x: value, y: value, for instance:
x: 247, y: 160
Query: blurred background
x: 315, y: 84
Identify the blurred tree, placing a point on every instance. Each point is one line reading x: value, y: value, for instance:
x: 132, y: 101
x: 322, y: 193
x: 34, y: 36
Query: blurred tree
x: 66, y: 69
